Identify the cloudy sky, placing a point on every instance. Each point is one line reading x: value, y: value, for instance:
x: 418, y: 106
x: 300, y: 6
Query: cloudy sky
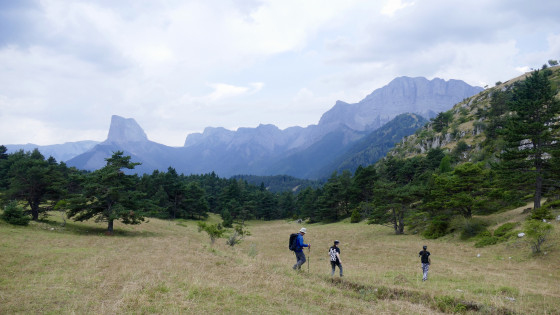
x: 178, y: 66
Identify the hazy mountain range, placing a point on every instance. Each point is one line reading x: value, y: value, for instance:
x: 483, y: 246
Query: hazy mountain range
x: 304, y: 152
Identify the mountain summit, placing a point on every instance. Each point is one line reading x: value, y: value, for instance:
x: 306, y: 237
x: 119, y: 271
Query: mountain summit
x: 125, y: 130
x: 402, y: 95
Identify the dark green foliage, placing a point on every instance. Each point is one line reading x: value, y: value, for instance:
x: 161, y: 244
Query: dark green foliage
x: 13, y: 214
x: 445, y: 164
x: 307, y: 204
x: 468, y: 227
x: 194, y: 202
x: 459, y: 149
x: 542, y: 213
x: 356, y: 217
x: 109, y: 194
x: 442, y: 120
x: 214, y: 231
x: 4, y: 166
x: 287, y: 205
x: 537, y: 233
x: 463, y: 191
x: 227, y: 219
x: 531, y: 134
x: 504, y: 229
x: 33, y: 179
x: 472, y: 228
x: 486, y: 241
x: 436, y: 228
x: 334, y: 202
x: 363, y: 184
x: 280, y: 183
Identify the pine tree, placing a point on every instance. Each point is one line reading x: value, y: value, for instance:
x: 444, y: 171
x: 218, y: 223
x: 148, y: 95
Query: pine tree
x: 109, y: 194
x: 531, y: 132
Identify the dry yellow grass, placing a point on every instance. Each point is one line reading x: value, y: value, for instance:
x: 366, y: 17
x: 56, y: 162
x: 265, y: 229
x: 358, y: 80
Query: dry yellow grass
x: 163, y: 267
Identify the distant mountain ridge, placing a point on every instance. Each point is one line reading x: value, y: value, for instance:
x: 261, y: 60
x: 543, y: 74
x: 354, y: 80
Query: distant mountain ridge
x: 267, y: 150
x: 61, y: 152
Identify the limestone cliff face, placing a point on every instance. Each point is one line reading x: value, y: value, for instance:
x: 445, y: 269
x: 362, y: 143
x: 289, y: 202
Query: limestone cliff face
x: 402, y: 95
x: 124, y: 130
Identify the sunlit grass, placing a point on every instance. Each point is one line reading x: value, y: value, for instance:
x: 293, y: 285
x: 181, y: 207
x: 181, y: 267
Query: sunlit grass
x: 168, y: 267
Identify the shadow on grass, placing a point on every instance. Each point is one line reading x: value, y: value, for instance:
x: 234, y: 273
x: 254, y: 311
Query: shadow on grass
x: 73, y: 227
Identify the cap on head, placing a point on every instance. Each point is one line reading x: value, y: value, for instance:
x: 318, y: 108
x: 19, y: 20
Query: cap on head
x: 336, y: 242
x: 303, y: 230
x: 424, y: 247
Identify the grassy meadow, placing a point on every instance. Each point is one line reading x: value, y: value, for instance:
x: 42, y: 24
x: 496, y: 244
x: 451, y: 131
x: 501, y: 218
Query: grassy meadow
x: 168, y: 267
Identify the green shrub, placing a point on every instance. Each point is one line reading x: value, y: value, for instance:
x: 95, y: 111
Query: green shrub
x: 537, y: 233
x: 468, y: 227
x: 15, y: 215
x: 485, y: 241
x: 436, y: 228
x: 356, y: 217
x: 484, y: 234
x: 541, y: 213
x: 503, y: 229
x: 471, y: 228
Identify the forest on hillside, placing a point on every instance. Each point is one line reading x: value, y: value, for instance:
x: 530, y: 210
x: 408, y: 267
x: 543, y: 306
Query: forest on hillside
x: 436, y: 192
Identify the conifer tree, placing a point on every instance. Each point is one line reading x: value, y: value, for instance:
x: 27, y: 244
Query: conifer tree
x: 109, y: 194
x: 531, y: 132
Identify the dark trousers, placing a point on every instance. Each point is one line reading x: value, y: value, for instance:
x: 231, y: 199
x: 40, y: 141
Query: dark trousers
x: 300, y: 258
x: 334, y: 264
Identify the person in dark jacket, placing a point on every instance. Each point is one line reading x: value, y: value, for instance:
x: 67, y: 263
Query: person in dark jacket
x: 300, y: 256
x: 426, y: 261
x: 334, y: 253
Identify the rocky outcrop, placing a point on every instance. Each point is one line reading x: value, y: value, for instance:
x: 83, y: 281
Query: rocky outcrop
x: 123, y: 130
x: 402, y: 95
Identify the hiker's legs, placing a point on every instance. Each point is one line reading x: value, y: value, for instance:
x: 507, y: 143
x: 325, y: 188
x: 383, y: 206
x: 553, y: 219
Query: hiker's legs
x: 300, y: 257
x: 340, y: 268
x: 425, y: 268
x: 333, y: 266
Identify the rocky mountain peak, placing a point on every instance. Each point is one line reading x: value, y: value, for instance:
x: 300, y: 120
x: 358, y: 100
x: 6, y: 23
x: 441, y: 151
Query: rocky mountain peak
x: 125, y: 130
x: 402, y: 95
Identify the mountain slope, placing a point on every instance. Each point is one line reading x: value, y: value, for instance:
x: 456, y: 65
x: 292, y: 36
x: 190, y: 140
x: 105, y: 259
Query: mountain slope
x: 375, y: 145
x: 464, y: 134
x: 402, y: 95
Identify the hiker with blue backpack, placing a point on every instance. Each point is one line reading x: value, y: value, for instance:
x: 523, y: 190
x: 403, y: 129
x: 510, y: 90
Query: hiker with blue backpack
x: 297, y: 245
x: 334, y: 253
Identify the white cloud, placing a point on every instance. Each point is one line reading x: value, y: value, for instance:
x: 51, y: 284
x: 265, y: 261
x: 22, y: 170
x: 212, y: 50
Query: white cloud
x: 393, y: 6
x: 179, y: 66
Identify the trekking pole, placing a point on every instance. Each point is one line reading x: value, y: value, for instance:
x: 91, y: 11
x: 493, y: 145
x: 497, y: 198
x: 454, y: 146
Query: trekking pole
x: 308, y: 258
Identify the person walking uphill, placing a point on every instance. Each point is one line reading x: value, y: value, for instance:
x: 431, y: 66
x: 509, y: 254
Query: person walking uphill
x: 334, y: 252
x: 425, y: 259
x: 298, y: 250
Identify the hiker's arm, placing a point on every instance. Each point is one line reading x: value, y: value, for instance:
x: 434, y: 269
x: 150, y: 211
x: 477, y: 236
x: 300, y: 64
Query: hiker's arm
x: 338, y: 256
x: 429, y: 260
x: 301, y: 243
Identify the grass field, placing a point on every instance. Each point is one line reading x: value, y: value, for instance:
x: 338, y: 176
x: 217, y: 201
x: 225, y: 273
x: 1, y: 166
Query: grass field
x: 163, y: 267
